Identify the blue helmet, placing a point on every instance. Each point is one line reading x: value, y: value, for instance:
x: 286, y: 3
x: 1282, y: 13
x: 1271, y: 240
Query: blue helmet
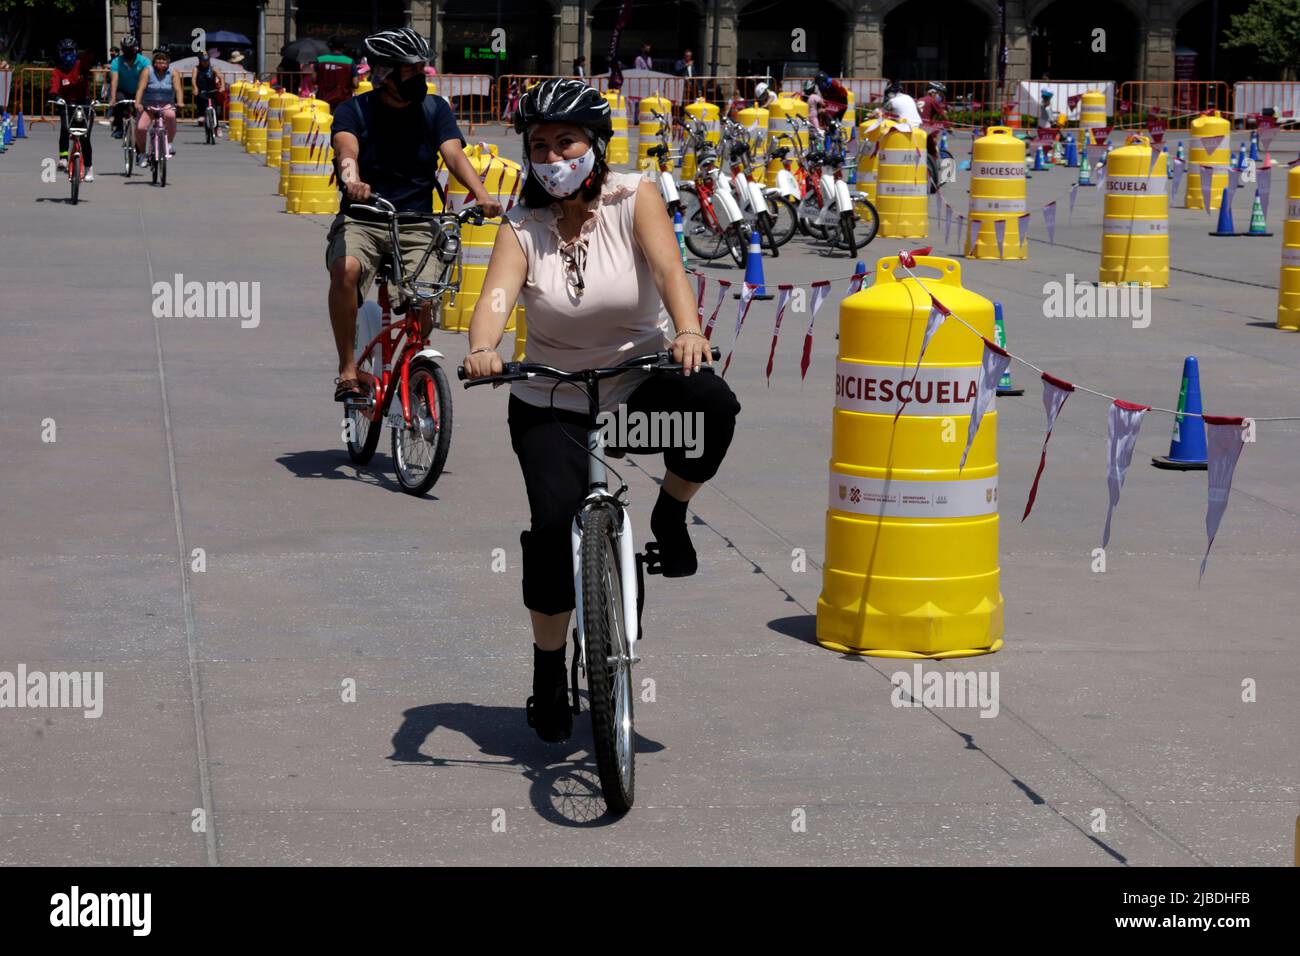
x: 67, y: 53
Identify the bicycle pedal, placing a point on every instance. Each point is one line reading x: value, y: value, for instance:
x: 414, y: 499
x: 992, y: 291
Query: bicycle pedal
x: 650, y: 560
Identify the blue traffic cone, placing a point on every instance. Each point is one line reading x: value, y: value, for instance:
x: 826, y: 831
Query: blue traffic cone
x: 1169, y: 167
x: 22, y: 130
x: 1240, y: 162
x: 681, y: 238
x: 1254, y: 145
x: 1225, y: 217
x: 1071, y: 151
x: 754, y: 268
x: 1187, y: 451
x: 1180, y: 156
x: 1039, y: 165
x: 1005, y: 385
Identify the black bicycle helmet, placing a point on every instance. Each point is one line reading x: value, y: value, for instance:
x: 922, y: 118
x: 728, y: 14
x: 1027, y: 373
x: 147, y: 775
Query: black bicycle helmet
x: 397, y: 47
x: 559, y: 100
x: 129, y: 42
x: 937, y: 87
x: 68, y: 45
x: 893, y: 87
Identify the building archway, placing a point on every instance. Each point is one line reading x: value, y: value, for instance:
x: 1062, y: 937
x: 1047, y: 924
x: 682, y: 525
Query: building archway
x: 669, y: 26
x: 921, y: 45
x: 1062, y: 41
x: 764, y: 34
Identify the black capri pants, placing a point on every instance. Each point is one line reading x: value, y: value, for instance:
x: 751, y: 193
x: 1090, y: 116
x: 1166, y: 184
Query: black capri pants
x: 555, y: 468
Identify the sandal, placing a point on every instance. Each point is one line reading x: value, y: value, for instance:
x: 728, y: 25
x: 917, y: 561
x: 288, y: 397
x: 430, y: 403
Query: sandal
x: 347, y: 388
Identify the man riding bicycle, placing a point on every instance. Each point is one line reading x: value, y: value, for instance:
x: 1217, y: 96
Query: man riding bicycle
x: 900, y: 104
x: 208, y: 86
x: 159, y: 86
x: 72, y: 84
x: 124, y: 79
x: 388, y: 142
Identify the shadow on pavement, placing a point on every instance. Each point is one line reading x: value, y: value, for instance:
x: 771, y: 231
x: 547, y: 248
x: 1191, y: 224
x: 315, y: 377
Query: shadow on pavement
x: 567, y: 794
x: 334, y: 465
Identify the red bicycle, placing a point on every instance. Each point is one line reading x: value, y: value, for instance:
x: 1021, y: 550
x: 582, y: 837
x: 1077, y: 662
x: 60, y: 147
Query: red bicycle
x: 714, y: 225
x: 78, y: 122
x: 396, y: 360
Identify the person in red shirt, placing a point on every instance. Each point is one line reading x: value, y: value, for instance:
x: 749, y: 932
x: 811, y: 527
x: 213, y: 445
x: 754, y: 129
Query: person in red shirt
x: 71, y: 83
x: 335, y: 74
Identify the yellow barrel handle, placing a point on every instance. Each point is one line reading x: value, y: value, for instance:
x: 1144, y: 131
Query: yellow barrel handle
x: 1000, y: 131
x: 1138, y: 139
x: 949, y: 269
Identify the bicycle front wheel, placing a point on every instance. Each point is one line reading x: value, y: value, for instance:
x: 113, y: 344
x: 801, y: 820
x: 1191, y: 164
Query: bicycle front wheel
x: 702, y: 239
x: 162, y: 171
x: 420, y: 449
x: 866, y: 223
x: 784, y: 219
x: 608, y: 660
x: 74, y: 175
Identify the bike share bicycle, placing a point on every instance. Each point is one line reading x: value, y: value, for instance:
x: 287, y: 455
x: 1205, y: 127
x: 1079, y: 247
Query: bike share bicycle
x: 608, y: 581
x: 829, y: 210
x: 395, y: 358
x: 157, y: 146
x: 78, y: 123
x: 128, y: 136
x: 713, y: 223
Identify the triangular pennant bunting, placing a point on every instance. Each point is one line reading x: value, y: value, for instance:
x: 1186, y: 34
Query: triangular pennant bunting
x: 1225, y: 438
x: 1049, y: 220
x: 1121, y: 436
x: 1207, y: 180
x: 1055, y: 392
x: 993, y: 367
x: 820, y: 291
x: 1264, y: 185
x: 783, y: 299
x: 742, y: 309
x: 724, y: 286
x: 999, y: 233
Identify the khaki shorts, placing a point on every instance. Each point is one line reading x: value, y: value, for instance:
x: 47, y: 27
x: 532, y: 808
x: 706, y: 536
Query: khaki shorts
x: 370, y: 244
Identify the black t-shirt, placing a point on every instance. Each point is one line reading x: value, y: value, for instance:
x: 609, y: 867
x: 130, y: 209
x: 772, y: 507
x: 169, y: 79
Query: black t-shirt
x: 398, y: 153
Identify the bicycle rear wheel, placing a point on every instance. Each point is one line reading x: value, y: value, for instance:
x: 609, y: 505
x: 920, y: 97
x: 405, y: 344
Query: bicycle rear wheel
x: 162, y: 174
x: 608, y: 661
x: 784, y: 219
x: 701, y: 238
x: 363, y: 429
x: 129, y: 153
x: 420, y: 451
x: 737, y: 243
x: 74, y: 175
x: 866, y: 223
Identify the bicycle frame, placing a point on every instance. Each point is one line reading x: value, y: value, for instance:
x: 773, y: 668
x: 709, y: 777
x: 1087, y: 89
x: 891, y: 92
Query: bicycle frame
x: 156, y: 145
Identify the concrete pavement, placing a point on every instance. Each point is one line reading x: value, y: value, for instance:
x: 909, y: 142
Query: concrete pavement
x: 1120, y: 692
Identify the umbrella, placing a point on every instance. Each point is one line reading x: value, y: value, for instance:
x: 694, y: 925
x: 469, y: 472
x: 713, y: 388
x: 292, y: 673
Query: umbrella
x: 230, y: 72
x: 227, y: 38
x: 305, y: 50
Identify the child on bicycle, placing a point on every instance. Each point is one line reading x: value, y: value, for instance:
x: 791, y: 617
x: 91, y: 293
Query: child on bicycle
x: 71, y: 83
x: 208, y: 85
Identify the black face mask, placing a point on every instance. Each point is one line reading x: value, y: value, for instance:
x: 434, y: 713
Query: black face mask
x: 411, y: 90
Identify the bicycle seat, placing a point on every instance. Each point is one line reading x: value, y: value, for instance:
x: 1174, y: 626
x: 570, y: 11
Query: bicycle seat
x: 660, y: 150
x: 781, y: 152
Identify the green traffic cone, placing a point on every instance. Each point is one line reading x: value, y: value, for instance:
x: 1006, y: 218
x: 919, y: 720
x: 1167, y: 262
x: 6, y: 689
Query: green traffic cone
x: 1257, y: 225
x: 1085, y: 179
x: 1005, y: 386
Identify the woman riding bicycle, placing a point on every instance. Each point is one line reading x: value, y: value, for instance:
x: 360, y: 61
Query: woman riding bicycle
x: 593, y: 257
x: 160, y: 86
x: 71, y: 83
x: 208, y: 85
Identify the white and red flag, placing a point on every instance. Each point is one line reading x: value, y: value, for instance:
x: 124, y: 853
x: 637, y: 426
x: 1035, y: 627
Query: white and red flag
x: 724, y: 286
x: 742, y: 309
x: 1264, y: 185
x: 974, y: 237
x: 1207, y: 180
x: 1121, y: 436
x: 1177, y: 177
x: 701, y: 280
x: 782, y: 300
x: 859, y: 276
x: 908, y: 258
x: 947, y: 219
x: 1074, y: 194
x: 820, y: 290
x: 993, y: 367
x: 1000, y: 233
x: 1055, y: 392
x: 1225, y: 438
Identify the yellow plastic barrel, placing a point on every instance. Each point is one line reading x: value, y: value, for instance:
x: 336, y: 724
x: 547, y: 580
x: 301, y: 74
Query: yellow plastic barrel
x: 869, y: 134
x: 901, y: 182
x: 1288, y: 298
x: 616, y: 153
x: 237, y: 111
x: 781, y: 109
x: 311, y: 169
x: 255, y: 121
x: 274, y: 118
x: 707, y: 113
x: 911, y: 543
x: 753, y: 117
x: 288, y: 109
x: 364, y: 85
x: 1205, y: 130
x: 849, y: 118
x: 500, y: 176
x: 1135, y: 223
x: 997, y: 194
x: 649, y: 128
x: 1092, y: 110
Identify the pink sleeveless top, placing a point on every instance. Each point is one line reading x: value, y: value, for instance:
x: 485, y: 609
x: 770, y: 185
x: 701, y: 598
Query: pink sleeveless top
x: 617, y: 314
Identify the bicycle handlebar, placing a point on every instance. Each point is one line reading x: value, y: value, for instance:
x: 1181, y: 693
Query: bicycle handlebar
x: 518, y: 371
x: 387, y: 211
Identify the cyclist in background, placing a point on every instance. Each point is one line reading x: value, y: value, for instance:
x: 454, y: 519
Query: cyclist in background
x: 388, y: 141
x: 159, y: 86
x: 900, y: 104
x: 208, y: 85
x: 934, y: 105
x: 335, y: 74
x: 70, y: 82
x: 124, y: 79
x: 592, y: 257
